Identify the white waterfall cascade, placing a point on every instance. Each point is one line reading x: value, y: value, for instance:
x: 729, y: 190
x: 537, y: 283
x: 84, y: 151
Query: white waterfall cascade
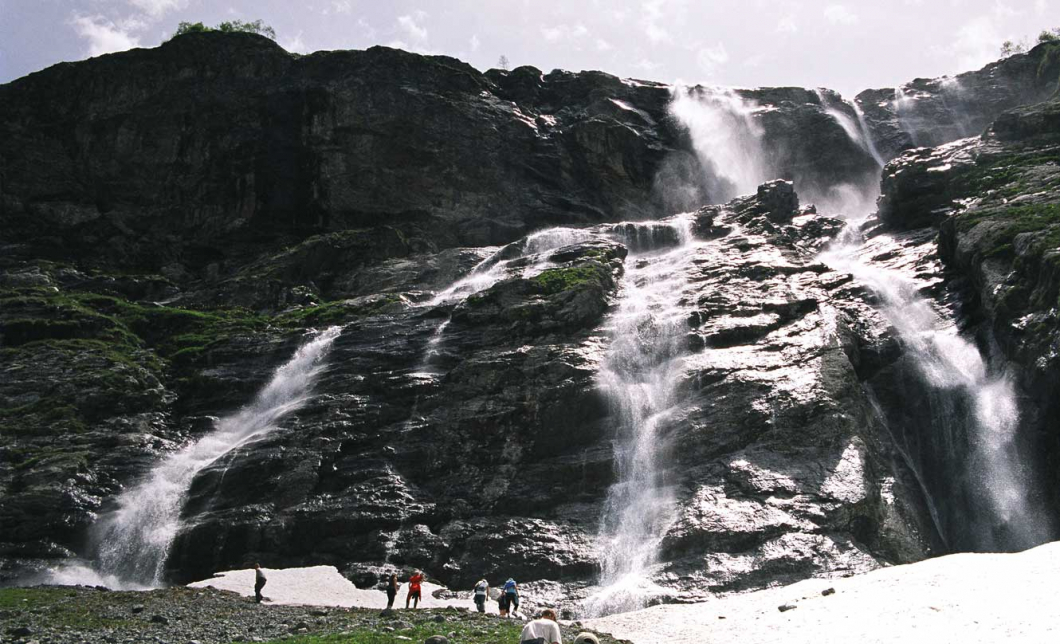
x: 726, y: 138
x: 133, y: 541
x: 947, y: 361
x: 866, y: 134
x: 858, y: 131
x: 640, y: 378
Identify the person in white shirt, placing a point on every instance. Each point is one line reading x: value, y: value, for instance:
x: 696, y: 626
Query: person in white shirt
x: 544, y: 630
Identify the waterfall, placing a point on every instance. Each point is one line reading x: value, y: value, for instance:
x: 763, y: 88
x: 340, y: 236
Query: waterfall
x: 866, y: 134
x: 530, y: 254
x: 132, y: 542
x: 857, y: 132
x: 975, y: 417
x: 640, y: 377
x: 726, y: 138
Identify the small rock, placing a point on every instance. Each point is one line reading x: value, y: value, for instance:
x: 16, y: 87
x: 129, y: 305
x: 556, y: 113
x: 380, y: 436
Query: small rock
x: 403, y: 638
x: 138, y: 608
x: 439, y: 618
x: 160, y: 619
x: 721, y: 617
x: 436, y: 639
x: 828, y: 591
x: 20, y: 631
x: 318, y: 612
x: 786, y: 607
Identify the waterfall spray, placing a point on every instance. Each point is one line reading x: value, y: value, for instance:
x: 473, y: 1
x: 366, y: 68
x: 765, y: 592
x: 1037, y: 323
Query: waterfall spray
x: 726, y: 138
x: 640, y: 377
x: 132, y: 542
x: 997, y: 481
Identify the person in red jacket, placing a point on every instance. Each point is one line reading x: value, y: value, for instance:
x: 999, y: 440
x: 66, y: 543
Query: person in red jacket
x: 414, y: 589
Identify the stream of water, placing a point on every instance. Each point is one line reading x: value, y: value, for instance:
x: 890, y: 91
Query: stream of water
x: 132, y: 542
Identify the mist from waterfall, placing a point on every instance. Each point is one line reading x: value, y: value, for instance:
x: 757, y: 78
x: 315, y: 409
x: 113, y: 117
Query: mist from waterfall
x: 977, y: 419
x: 640, y: 378
x: 725, y: 137
x: 132, y: 542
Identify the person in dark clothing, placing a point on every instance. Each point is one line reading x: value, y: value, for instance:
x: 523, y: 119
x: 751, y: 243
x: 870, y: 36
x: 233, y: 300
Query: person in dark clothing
x: 259, y: 582
x: 391, y: 591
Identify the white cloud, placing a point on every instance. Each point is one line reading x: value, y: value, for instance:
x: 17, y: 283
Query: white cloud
x: 103, y: 36
x: 1004, y: 10
x: 564, y: 32
x: 787, y: 25
x: 840, y: 14
x: 410, y: 26
x: 475, y: 42
x: 652, y: 13
x: 603, y: 45
x: 342, y: 6
x: 755, y: 61
x: 1040, y: 7
x: 711, y: 58
x: 646, y: 65
x: 296, y: 44
x: 158, y: 8
x: 976, y: 44
x: 369, y: 30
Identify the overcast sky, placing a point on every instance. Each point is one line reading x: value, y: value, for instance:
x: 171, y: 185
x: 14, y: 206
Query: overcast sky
x: 847, y: 45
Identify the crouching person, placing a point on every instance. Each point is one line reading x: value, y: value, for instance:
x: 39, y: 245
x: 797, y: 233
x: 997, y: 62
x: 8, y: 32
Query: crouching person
x: 543, y: 630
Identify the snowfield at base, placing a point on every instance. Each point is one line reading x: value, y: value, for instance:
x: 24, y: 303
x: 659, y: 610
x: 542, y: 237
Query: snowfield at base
x: 964, y: 598
x: 324, y: 586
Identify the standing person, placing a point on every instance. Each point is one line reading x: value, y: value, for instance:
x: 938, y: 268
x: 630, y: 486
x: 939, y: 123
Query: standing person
x: 259, y: 582
x: 511, y: 595
x: 414, y: 589
x: 543, y: 630
x: 391, y: 591
x: 482, y: 591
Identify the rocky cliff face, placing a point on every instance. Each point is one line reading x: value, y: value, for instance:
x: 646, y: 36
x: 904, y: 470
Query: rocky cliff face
x: 993, y: 201
x: 174, y: 219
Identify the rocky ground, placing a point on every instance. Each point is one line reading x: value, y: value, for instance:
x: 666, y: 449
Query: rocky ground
x: 52, y: 615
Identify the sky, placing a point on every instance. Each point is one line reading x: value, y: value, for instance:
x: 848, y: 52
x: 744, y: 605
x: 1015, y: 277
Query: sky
x: 846, y: 45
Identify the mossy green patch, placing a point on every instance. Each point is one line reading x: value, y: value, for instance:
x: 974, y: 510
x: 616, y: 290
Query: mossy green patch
x: 1043, y: 219
x: 558, y: 280
x: 478, y: 631
x: 59, y: 607
x: 333, y: 313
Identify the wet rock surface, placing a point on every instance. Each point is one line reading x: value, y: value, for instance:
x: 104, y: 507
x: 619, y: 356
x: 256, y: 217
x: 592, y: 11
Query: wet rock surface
x: 459, y: 426
x: 994, y: 202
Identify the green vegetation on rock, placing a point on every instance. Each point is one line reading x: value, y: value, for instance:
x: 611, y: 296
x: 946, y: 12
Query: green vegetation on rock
x: 558, y: 280
x: 229, y: 26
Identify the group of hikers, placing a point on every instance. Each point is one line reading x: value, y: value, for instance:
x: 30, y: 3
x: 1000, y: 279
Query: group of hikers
x: 507, y: 599
x: 543, y: 630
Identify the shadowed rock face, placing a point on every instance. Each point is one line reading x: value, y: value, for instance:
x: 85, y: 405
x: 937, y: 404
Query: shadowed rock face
x: 174, y: 219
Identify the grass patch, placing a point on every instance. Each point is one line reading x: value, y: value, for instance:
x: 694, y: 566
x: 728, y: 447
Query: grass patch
x: 485, y: 631
x: 558, y: 280
x: 59, y: 606
x: 1013, y: 221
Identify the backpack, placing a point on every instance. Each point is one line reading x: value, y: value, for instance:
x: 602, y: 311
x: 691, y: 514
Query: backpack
x: 509, y: 586
x: 480, y: 588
